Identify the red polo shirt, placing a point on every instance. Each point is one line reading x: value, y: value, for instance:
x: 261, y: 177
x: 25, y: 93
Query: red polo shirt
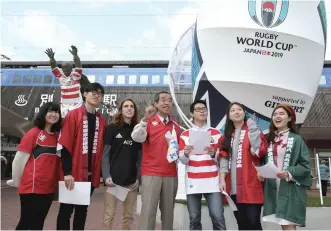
x: 154, y: 160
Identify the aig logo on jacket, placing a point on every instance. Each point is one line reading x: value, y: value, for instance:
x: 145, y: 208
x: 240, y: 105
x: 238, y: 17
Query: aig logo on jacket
x: 127, y: 142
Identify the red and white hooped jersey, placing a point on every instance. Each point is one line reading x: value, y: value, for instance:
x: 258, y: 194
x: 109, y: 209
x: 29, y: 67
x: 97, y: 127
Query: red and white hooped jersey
x: 70, y: 86
x: 202, y: 171
x: 40, y: 174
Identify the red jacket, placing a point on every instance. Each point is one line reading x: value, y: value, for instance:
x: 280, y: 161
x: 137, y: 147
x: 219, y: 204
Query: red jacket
x: 72, y: 135
x: 249, y: 187
x: 154, y: 160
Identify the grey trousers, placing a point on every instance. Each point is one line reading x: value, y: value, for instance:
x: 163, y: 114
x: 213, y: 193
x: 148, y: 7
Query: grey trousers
x: 158, y: 190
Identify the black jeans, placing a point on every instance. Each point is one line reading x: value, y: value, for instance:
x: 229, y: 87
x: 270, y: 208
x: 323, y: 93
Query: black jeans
x: 65, y: 212
x: 248, y: 215
x: 324, y: 184
x: 34, y: 209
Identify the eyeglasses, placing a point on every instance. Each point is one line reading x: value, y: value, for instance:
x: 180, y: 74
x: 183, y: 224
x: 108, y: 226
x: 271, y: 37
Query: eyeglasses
x: 198, y: 109
x: 97, y: 94
x: 166, y: 101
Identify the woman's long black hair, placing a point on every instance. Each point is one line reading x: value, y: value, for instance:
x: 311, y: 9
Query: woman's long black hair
x: 40, y: 120
x: 229, y: 127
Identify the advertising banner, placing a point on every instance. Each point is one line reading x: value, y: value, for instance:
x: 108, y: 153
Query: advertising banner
x: 259, y: 53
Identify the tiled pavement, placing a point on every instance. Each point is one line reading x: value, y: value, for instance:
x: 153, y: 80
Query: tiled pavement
x: 10, y: 210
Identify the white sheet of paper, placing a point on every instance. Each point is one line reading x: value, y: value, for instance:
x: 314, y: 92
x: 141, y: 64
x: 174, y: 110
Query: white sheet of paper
x: 268, y: 170
x: 80, y: 195
x: 230, y: 201
x: 119, y: 192
x: 199, y: 140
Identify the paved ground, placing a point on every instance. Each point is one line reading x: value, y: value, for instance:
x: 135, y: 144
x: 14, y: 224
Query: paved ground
x: 317, y: 218
x: 10, y: 210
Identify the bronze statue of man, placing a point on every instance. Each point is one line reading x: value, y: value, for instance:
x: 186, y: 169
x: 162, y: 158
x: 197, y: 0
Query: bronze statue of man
x: 69, y: 79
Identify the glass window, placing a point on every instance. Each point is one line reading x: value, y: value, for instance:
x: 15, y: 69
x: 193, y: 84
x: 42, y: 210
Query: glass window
x: 144, y: 79
x: 110, y: 79
x: 27, y: 79
x: 132, y: 79
x: 155, y: 79
x: 56, y: 81
x: 48, y: 79
x: 17, y: 79
x: 121, y: 79
x: 323, y: 80
x: 166, y: 79
x: 91, y: 78
x: 37, y: 79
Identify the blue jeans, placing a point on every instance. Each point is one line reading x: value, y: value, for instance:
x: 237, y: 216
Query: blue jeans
x: 215, y: 207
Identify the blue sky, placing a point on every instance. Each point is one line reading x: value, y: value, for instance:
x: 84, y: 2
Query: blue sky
x: 101, y: 29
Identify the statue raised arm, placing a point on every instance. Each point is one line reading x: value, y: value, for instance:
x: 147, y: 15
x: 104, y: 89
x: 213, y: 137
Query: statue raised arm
x: 74, y: 52
x: 50, y: 53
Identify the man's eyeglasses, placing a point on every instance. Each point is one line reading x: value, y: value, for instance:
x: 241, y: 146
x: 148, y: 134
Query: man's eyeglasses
x: 97, y: 94
x: 198, y: 109
x: 166, y: 101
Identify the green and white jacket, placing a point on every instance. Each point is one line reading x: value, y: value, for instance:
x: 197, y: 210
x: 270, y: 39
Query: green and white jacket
x: 290, y: 204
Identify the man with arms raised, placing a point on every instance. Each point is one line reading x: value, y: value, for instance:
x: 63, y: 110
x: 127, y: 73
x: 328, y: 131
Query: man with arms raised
x: 158, y: 171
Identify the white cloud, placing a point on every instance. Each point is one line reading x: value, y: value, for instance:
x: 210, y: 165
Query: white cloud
x: 149, y: 34
x: 177, y: 24
x: 91, y: 52
x: 11, y: 53
x: 38, y: 30
x: 180, y: 23
x: 147, y: 38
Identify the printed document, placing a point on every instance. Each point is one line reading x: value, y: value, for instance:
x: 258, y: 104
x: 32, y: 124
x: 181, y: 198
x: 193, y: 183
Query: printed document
x: 79, y: 195
x: 268, y: 170
x: 200, y: 140
x: 230, y: 201
x: 119, y: 192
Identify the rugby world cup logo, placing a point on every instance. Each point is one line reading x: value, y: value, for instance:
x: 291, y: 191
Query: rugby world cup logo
x: 267, y: 10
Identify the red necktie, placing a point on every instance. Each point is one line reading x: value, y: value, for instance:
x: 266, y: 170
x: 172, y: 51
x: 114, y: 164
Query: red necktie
x: 275, y: 147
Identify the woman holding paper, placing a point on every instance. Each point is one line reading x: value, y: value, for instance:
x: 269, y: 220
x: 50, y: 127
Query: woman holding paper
x: 243, y: 145
x: 285, y: 197
x: 35, y: 166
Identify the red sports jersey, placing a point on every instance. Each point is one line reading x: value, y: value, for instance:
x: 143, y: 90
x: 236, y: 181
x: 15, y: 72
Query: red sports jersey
x: 201, y: 169
x: 154, y: 160
x: 70, y: 86
x: 40, y: 173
